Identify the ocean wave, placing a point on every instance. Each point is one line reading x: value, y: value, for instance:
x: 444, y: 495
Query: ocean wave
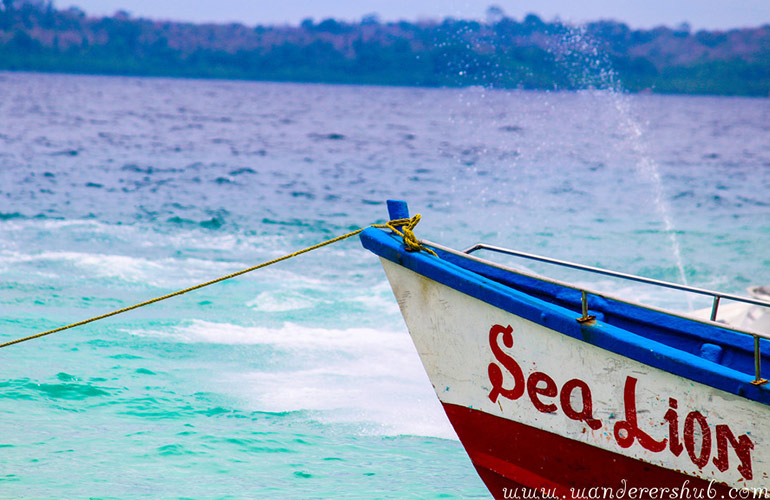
x: 165, y: 272
x: 64, y: 387
x: 368, y: 378
x: 281, y: 301
x: 289, y: 335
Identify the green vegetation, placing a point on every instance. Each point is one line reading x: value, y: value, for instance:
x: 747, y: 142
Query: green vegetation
x: 501, y: 52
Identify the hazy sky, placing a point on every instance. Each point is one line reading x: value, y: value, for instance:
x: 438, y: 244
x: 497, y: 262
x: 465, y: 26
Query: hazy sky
x: 711, y: 14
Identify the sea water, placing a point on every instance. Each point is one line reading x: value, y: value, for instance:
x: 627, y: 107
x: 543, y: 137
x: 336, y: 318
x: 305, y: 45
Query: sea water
x: 300, y: 380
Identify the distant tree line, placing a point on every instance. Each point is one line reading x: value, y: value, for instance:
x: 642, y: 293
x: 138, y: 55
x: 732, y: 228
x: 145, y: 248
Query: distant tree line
x: 498, y: 52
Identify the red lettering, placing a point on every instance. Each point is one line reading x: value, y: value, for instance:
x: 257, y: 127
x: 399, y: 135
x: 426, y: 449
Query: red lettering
x: 689, y: 438
x: 586, y: 413
x: 630, y: 425
x: 742, y: 447
x: 494, y: 371
x: 672, y: 417
x: 576, y: 393
x: 550, y: 390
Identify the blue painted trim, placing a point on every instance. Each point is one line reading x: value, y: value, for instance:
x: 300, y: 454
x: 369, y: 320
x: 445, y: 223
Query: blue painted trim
x: 646, y: 349
x: 735, y: 351
x: 397, y: 209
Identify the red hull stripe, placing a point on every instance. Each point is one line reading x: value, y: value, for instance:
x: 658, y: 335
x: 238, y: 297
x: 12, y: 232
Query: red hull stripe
x: 509, y: 454
x: 521, y: 475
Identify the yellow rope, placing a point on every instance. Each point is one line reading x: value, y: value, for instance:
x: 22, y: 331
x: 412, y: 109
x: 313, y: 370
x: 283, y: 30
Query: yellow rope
x: 411, y: 243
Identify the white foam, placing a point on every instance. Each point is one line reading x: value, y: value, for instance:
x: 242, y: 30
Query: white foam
x: 124, y: 267
x: 161, y: 272
x: 280, y: 302
x: 138, y: 236
x: 289, y: 336
x: 19, y: 224
x: 371, y: 378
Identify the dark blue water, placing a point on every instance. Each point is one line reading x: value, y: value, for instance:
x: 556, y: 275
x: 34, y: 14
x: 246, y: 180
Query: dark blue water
x: 300, y: 380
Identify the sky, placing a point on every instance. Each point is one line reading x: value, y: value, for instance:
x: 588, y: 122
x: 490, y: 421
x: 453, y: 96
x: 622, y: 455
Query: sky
x: 699, y: 14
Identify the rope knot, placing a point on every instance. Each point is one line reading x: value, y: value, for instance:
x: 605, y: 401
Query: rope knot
x: 411, y: 243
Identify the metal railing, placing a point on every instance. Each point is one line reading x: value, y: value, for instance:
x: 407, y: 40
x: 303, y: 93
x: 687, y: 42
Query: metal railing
x: 584, y: 292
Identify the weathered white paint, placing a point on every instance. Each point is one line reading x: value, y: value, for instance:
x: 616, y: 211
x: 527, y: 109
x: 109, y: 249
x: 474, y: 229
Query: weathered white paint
x: 451, y: 333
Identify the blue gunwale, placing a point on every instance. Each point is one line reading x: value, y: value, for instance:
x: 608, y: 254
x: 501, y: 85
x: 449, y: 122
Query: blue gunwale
x: 652, y: 338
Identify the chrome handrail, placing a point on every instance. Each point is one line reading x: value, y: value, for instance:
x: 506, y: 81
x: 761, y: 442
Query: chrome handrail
x: 584, y: 291
x: 616, y: 274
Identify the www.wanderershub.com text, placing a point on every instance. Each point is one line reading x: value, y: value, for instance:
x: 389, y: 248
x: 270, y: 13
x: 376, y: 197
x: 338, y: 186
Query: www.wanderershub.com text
x: 685, y: 491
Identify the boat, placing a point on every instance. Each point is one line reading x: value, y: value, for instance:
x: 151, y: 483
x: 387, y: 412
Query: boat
x: 744, y: 315
x: 559, y: 391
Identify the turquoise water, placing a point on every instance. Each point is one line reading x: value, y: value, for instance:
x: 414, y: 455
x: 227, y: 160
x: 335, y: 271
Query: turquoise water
x: 300, y: 381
